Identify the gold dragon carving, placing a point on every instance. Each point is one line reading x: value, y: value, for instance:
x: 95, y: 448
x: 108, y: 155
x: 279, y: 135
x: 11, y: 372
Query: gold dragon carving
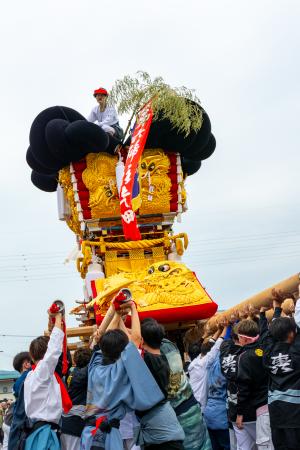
x: 164, y: 284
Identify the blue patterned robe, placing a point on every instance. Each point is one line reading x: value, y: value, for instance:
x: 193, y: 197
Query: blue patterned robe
x: 115, y: 389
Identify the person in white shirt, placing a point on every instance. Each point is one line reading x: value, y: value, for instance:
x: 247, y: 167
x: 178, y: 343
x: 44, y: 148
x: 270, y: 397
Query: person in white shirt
x: 198, y: 368
x: 105, y: 116
x: 44, y: 395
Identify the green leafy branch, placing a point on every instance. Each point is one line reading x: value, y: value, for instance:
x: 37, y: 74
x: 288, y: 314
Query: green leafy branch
x: 179, y: 105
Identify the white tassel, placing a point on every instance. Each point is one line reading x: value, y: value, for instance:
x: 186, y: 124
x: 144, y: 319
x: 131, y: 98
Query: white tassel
x: 73, y: 255
x: 63, y: 205
x: 119, y: 173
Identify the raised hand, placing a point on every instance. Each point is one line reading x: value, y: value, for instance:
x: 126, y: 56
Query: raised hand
x: 264, y: 309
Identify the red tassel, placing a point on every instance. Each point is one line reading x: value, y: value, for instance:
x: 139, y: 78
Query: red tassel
x: 98, y: 423
x: 87, y: 214
x: 118, y: 300
x: 81, y: 186
x: 83, y: 195
x: 65, y: 398
x: 79, y: 166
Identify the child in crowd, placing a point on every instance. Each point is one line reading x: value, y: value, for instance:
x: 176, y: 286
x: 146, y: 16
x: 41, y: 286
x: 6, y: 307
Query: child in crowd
x: 45, y: 395
x: 77, y: 381
x: 198, y: 368
x: 119, y: 381
x: 252, y: 390
x: 282, y: 359
x: 229, y: 354
x: 215, y: 412
x: 152, y: 336
x: 193, y: 350
x: 181, y: 397
x: 157, y: 363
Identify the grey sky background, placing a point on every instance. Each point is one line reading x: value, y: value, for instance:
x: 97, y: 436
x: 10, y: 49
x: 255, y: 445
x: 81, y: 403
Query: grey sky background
x: 241, y: 57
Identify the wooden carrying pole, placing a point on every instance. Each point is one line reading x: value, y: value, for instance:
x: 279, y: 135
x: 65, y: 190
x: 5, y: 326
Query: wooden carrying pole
x: 81, y: 331
x: 264, y: 298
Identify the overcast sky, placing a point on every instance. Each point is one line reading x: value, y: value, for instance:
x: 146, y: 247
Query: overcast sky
x: 241, y: 57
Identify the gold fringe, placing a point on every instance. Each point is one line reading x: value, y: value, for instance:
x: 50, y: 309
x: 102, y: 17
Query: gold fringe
x: 65, y: 181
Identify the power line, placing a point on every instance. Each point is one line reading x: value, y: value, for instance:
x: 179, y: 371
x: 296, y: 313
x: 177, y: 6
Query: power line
x: 191, y: 259
x: 47, y: 273
x: 258, y: 236
x: 243, y: 259
x: 32, y: 269
x: 33, y: 255
x: 235, y: 249
x: 27, y: 267
x: 266, y: 245
x: 16, y: 336
x: 27, y: 279
x: 37, y: 267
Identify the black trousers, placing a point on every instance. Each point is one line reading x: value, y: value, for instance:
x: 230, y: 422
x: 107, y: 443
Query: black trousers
x: 286, y: 438
x: 172, y: 445
x: 219, y: 439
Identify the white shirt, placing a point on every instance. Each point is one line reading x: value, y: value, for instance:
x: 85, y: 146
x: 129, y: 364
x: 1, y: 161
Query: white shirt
x: 107, y: 117
x: 42, y: 394
x: 198, y: 371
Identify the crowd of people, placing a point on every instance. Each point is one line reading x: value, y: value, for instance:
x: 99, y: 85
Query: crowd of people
x: 6, y: 410
x: 238, y: 388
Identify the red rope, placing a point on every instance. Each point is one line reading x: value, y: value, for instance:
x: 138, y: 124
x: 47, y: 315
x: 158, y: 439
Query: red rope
x: 118, y: 300
x: 98, y: 423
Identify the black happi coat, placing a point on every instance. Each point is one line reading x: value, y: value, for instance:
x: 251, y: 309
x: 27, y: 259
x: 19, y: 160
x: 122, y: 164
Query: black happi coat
x: 252, y: 379
x: 282, y: 361
x: 229, y: 356
x: 77, y: 388
x: 159, y: 367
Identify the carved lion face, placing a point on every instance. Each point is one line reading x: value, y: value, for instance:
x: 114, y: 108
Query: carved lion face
x: 166, y: 269
x: 154, y: 162
x: 104, y: 194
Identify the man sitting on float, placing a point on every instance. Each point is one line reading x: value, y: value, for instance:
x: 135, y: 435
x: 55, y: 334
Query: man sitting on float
x: 105, y: 116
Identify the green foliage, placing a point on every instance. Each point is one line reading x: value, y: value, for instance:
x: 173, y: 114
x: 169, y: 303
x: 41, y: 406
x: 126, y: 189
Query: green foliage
x: 130, y: 94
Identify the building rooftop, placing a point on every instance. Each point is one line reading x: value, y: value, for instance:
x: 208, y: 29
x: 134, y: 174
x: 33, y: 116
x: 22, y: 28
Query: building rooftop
x: 9, y: 374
